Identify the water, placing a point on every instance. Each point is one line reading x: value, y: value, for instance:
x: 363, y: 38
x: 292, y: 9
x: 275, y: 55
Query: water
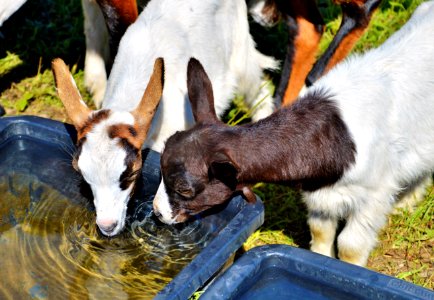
x: 50, y: 248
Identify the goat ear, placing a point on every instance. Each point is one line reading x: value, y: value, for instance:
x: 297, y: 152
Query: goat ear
x: 200, y: 93
x: 151, y: 97
x: 223, y: 169
x: 68, y: 93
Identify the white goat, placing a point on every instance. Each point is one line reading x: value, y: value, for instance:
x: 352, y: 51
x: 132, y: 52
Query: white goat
x: 215, y: 31
x: 386, y: 97
x: 358, y: 138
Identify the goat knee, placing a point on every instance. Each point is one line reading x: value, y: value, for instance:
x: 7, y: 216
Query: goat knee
x: 359, y: 237
x: 323, y: 231
x: 95, y: 76
x: 354, y: 253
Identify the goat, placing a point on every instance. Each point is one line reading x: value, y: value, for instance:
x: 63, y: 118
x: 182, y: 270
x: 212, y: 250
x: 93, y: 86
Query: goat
x: 105, y: 22
x: 109, y: 143
x: 215, y: 31
x: 305, y: 26
x: 360, y: 135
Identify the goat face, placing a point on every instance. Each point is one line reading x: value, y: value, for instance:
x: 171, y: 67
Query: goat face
x: 196, y: 176
x: 197, y: 172
x: 109, y: 145
x: 109, y: 159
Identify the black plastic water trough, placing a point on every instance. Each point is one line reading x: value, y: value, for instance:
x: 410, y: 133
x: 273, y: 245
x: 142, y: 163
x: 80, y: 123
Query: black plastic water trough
x: 281, y: 272
x: 40, y: 147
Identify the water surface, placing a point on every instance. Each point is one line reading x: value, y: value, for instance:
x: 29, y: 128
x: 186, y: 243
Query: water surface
x: 50, y: 247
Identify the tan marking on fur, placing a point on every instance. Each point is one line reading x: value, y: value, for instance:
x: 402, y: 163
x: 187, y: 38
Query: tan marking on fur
x: 344, y: 47
x: 93, y: 120
x: 357, y: 2
x: 68, y: 93
x: 137, y: 165
x: 317, y: 235
x: 123, y: 131
x: 127, y: 9
x: 271, y: 12
x: 75, y: 164
x: 350, y: 256
x: 306, y: 44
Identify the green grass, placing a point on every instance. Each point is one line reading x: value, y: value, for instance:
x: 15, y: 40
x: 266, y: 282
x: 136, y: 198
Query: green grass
x: 8, y: 63
x: 389, y: 17
x: 43, y: 30
x: 408, y: 241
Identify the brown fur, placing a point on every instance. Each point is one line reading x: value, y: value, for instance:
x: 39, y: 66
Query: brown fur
x: 299, y: 62
x: 126, y: 132
x: 92, y: 120
x: 306, y: 44
x: 356, y: 15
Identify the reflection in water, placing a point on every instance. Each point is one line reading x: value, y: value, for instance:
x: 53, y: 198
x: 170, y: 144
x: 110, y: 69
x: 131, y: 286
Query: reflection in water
x: 50, y: 248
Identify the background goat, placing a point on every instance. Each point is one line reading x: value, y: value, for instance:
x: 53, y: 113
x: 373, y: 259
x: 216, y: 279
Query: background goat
x: 305, y: 26
x: 360, y: 136
x: 302, y: 18
x: 105, y: 22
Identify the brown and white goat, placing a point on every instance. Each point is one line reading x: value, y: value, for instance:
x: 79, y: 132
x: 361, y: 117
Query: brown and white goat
x: 358, y: 138
x: 305, y: 25
x: 109, y: 144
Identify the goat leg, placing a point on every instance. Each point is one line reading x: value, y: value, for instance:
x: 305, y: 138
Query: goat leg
x: 305, y: 26
x: 118, y: 16
x: 356, y: 15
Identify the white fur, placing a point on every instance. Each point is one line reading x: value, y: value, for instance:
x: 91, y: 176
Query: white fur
x: 162, y: 206
x: 8, y: 7
x: 255, y: 10
x: 101, y: 162
x: 386, y: 98
x: 216, y: 33
x: 97, y: 51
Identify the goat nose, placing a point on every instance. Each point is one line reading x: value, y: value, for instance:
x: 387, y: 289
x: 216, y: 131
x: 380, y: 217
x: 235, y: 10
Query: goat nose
x: 107, y: 226
x: 157, y: 213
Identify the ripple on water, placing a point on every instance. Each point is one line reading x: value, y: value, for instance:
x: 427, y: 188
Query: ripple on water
x: 50, y: 247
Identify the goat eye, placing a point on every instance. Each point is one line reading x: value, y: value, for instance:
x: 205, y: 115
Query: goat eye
x: 186, y: 193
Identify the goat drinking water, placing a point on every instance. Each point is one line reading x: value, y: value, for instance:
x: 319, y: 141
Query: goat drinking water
x: 217, y: 33
x: 109, y: 144
x: 359, y: 137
